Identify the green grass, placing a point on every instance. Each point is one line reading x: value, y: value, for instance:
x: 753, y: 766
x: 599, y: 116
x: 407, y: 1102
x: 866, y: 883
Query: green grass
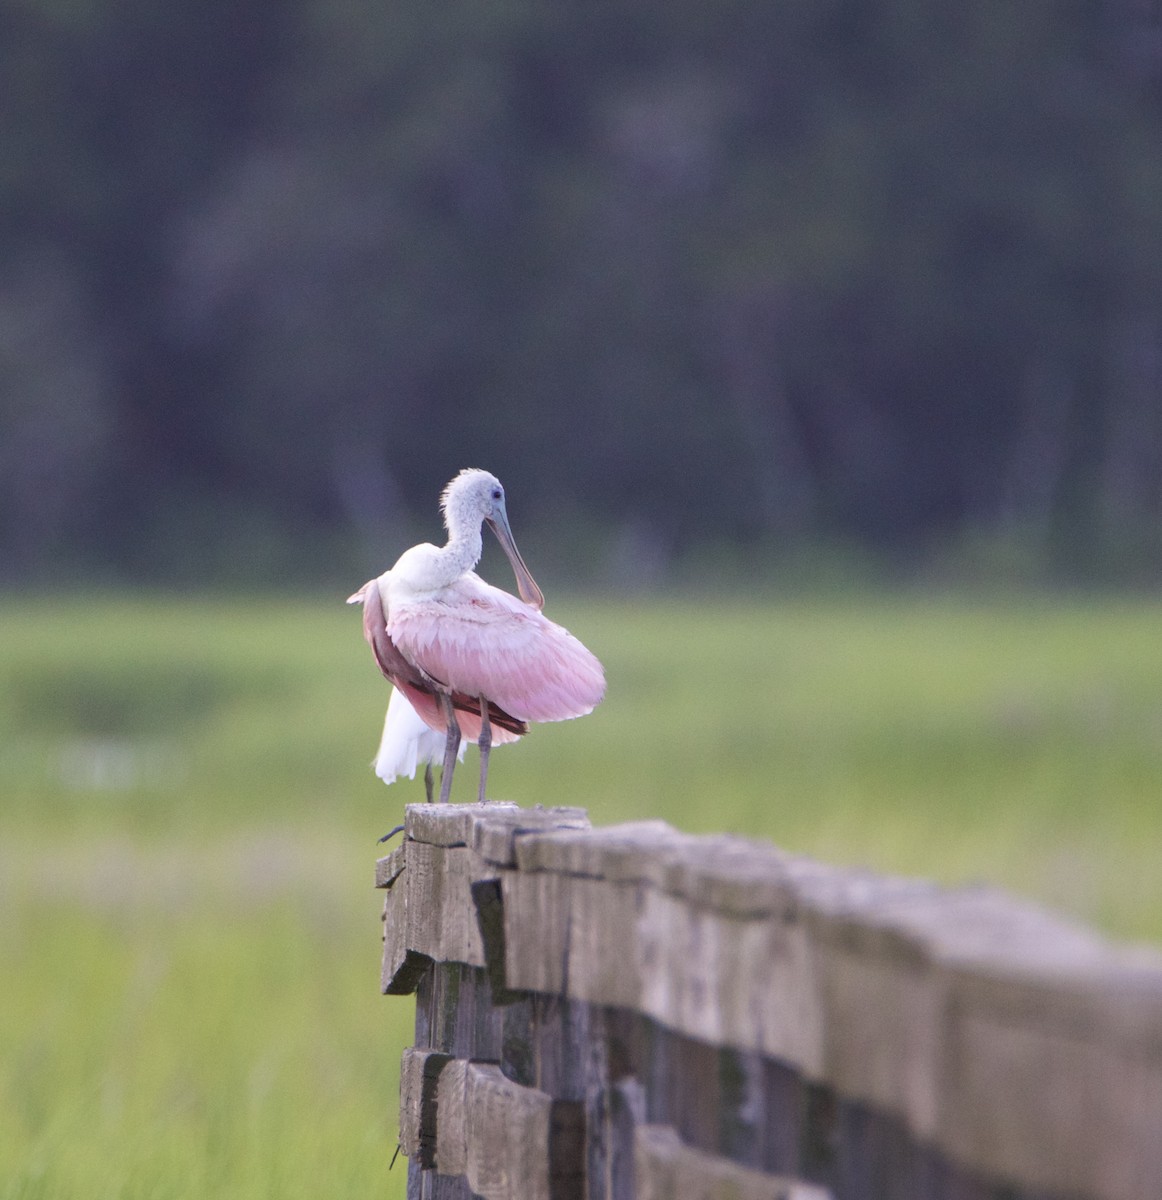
x: 189, y: 944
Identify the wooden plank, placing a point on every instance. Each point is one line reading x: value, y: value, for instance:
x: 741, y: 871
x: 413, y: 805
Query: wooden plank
x: 603, y: 956
x: 666, y: 1169
x: 418, y: 1078
x: 731, y: 875
x: 507, y: 1138
x: 492, y: 829
x: 567, y: 1141
x: 496, y: 834
x: 411, y: 1081
x: 633, y: 852
x: 489, y: 903
x: 402, y: 968
x: 874, y: 1156
x: 460, y: 1018
x: 742, y: 1108
x: 884, y: 1024
x: 487, y: 1032
x: 448, y: 824
x: 993, y: 928
x: 518, y: 1055
x: 997, y: 1030
x: 425, y: 989
x: 784, y: 1119
x: 389, y: 869
x: 768, y: 989
x: 441, y: 918
x: 571, y: 935
x: 429, y: 1185
x: 561, y: 1033
x: 509, y: 1142
x: 695, y: 1102
x: 678, y: 951
x: 882, y: 999
x: 725, y: 873
x: 537, y: 910
x: 613, y: 1115
x: 746, y: 983
x: 1061, y: 1101
x: 451, y: 1156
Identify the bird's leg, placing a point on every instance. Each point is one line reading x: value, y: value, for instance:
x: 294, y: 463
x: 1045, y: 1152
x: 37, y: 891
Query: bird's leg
x: 451, y: 748
x: 428, y: 781
x: 485, y: 744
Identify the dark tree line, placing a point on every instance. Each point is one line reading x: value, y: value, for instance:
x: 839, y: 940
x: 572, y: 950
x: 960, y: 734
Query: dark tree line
x: 753, y: 272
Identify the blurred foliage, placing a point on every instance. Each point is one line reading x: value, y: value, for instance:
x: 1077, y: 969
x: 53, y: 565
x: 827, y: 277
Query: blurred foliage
x: 855, y: 270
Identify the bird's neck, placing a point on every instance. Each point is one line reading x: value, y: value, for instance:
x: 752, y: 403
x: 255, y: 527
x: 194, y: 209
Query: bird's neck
x: 461, y: 554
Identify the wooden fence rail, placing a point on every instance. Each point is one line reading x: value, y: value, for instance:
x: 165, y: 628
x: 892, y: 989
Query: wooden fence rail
x: 604, y: 1014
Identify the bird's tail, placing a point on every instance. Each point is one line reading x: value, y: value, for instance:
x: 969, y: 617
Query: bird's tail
x: 407, y: 742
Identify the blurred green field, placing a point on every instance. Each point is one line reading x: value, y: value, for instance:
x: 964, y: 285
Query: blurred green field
x: 189, y: 944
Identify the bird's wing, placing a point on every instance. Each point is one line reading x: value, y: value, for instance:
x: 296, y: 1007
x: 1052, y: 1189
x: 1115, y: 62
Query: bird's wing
x: 391, y: 662
x: 481, y: 641
x: 417, y: 686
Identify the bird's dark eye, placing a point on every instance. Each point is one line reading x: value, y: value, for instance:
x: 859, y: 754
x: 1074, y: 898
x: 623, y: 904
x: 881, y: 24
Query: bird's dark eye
x: 497, y: 493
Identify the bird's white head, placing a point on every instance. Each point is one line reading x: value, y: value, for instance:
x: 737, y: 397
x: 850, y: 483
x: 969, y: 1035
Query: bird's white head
x: 475, y: 496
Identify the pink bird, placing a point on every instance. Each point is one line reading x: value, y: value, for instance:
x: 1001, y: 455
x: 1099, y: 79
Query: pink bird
x: 471, y: 659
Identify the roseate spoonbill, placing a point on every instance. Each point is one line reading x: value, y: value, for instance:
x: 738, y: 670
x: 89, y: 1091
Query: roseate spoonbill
x: 469, y: 658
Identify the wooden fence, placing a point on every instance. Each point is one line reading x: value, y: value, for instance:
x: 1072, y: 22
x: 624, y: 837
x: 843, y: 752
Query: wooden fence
x: 632, y: 1012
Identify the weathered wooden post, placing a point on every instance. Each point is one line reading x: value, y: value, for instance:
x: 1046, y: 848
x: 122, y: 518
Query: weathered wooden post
x: 603, y: 1014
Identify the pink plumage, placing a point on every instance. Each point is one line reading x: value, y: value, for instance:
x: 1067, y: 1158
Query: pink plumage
x: 483, y: 642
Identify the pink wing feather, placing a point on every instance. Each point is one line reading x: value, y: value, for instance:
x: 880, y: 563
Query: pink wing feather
x: 481, y: 641
x: 409, y: 681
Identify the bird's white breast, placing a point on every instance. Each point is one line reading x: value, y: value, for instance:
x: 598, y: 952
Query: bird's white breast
x: 418, y: 574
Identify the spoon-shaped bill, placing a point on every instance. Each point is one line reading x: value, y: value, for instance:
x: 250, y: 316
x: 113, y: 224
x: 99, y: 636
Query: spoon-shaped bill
x: 525, y: 583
